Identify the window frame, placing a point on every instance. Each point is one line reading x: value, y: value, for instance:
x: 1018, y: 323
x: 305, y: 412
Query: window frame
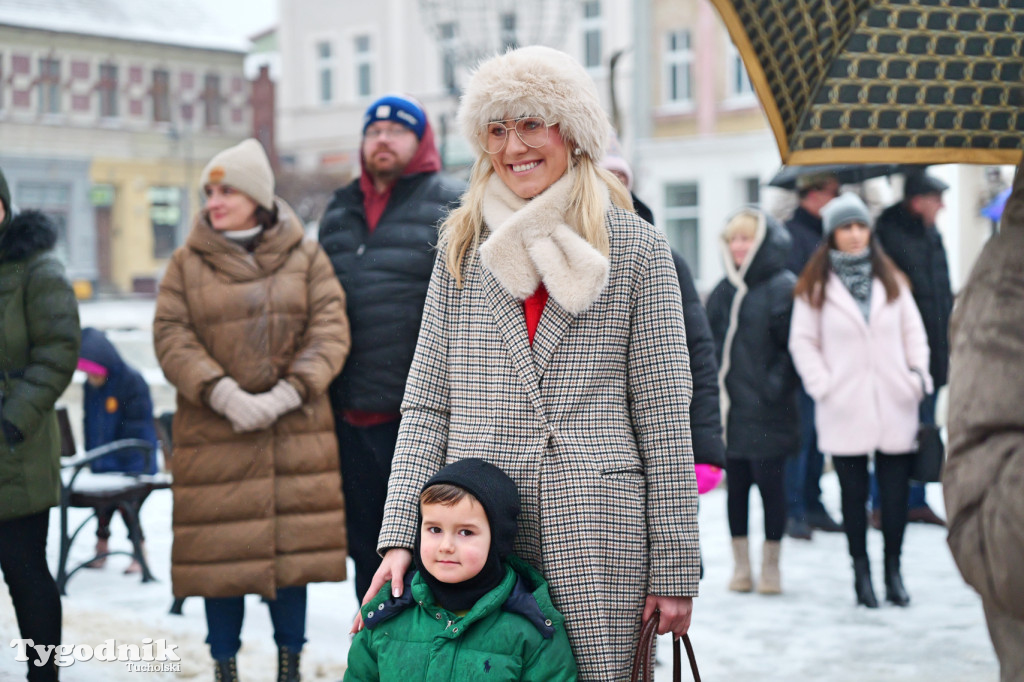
x: 676, y: 62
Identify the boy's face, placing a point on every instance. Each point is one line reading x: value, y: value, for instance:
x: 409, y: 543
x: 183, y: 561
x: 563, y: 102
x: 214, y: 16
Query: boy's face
x: 454, y: 540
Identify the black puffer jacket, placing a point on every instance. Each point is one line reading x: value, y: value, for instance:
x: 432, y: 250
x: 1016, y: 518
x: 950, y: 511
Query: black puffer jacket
x: 805, y: 233
x: 705, y: 416
x: 919, y: 252
x: 749, y: 314
x: 385, y: 276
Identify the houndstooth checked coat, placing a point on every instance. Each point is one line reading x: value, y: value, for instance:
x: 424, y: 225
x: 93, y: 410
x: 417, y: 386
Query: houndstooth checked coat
x: 592, y: 422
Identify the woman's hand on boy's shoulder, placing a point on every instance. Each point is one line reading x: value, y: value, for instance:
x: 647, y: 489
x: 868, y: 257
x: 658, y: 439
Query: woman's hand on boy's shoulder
x: 393, y: 568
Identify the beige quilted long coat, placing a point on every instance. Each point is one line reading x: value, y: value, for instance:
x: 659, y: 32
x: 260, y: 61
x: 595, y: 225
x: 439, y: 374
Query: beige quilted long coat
x: 254, y: 511
x: 592, y: 423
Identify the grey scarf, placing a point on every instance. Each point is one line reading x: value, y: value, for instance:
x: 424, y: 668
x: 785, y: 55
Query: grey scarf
x: 854, y: 270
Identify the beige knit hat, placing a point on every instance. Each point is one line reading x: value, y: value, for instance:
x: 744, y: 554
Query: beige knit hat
x: 536, y: 81
x: 246, y: 168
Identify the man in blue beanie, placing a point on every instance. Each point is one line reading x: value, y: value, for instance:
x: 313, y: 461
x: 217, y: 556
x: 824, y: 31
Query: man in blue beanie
x: 379, y: 232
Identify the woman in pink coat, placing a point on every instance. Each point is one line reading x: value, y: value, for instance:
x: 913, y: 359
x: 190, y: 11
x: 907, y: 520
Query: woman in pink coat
x: 859, y: 345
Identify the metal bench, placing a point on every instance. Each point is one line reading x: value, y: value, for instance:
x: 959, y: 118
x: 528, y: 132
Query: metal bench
x: 83, y: 489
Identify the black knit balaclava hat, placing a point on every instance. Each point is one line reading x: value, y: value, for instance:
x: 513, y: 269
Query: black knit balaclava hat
x: 497, y: 494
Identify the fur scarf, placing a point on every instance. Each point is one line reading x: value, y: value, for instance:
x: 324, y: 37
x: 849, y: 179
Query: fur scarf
x: 28, y: 233
x: 531, y: 243
x: 536, y: 81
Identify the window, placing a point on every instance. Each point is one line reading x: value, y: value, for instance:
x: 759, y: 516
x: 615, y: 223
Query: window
x: 211, y: 99
x: 49, y: 86
x: 591, y: 25
x: 54, y: 200
x: 678, y: 68
x: 108, y: 91
x: 165, y: 216
x: 681, y: 224
x: 448, y: 33
x: 326, y: 71
x: 507, y: 30
x: 364, y: 66
x: 739, y: 82
x: 161, y: 96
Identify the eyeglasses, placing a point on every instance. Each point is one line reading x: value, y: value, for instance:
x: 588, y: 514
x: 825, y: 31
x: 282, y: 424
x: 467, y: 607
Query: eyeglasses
x: 395, y: 131
x: 532, y: 130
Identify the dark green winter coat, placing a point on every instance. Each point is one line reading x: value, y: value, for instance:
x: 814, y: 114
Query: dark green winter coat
x: 39, y: 338
x: 512, y: 633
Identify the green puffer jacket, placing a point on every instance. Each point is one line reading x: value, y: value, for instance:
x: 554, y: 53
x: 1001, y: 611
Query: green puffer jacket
x: 512, y: 633
x: 39, y: 339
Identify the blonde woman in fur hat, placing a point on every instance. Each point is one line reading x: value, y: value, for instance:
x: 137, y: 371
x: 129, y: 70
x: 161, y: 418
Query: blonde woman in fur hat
x: 553, y: 346
x: 250, y: 329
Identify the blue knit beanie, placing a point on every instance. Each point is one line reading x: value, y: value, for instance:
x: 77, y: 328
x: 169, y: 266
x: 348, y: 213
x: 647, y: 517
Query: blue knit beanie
x: 399, y: 109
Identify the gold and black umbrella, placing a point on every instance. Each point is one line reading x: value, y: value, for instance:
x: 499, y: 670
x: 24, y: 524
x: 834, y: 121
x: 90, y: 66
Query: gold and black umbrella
x: 886, y: 81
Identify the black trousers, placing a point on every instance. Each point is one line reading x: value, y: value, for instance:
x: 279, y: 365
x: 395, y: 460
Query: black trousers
x: 893, y: 474
x: 33, y: 590
x: 768, y: 475
x: 366, y: 454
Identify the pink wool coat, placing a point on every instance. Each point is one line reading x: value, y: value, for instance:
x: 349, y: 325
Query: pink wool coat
x: 866, y: 378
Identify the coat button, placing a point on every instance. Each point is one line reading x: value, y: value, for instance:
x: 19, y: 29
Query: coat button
x: 548, y: 622
x: 380, y: 607
x: 370, y: 614
x: 455, y: 630
x: 437, y: 616
x: 361, y: 250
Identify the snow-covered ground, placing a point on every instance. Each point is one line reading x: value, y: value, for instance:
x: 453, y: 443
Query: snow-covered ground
x: 811, y: 632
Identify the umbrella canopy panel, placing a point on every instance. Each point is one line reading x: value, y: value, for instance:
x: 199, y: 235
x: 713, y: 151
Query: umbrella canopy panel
x: 921, y: 81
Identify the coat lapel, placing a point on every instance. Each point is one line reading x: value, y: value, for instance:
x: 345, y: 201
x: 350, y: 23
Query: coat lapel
x: 511, y: 322
x: 554, y: 323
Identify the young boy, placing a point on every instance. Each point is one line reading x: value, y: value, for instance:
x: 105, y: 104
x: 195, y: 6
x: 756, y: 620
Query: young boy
x: 472, y: 610
x: 117, y: 405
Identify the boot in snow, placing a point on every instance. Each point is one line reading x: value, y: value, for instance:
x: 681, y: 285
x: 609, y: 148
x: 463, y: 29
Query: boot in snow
x: 771, y: 580
x: 287, y: 665
x: 741, y: 578
x: 862, y: 583
x: 894, y: 590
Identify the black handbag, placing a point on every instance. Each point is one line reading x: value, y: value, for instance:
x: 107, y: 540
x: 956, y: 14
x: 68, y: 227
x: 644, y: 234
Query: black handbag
x: 930, y: 455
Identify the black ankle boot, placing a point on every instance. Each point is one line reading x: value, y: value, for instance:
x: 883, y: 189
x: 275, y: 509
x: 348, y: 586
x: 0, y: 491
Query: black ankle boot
x: 225, y: 670
x: 862, y: 583
x: 894, y: 590
x: 287, y: 665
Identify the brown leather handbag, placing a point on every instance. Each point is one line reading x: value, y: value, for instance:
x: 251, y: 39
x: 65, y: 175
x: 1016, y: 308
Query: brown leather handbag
x: 643, y: 668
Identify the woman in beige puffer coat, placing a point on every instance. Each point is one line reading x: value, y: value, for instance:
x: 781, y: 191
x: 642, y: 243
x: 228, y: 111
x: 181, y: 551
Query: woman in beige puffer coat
x: 250, y: 328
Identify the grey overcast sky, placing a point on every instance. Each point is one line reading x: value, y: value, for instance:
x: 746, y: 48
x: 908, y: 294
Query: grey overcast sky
x: 243, y: 17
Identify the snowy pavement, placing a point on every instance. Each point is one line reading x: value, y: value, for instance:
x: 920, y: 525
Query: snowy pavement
x: 811, y: 632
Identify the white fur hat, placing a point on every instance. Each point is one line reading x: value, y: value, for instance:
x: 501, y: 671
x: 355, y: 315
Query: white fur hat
x: 536, y: 81
x: 246, y: 168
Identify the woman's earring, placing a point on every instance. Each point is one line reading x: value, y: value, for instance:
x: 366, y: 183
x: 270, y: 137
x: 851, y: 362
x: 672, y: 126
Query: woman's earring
x: 577, y: 151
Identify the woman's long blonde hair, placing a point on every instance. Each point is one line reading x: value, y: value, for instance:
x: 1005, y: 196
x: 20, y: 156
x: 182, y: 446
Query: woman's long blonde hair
x: 461, y: 231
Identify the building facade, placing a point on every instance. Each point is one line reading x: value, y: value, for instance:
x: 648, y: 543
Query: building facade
x: 702, y: 147
x: 107, y: 134
x: 338, y: 56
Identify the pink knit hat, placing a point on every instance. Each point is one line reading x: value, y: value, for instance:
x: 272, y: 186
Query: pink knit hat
x: 90, y: 367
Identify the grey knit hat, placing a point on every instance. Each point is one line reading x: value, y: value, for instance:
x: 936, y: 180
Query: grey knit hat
x: 246, y: 168
x: 845, y: 209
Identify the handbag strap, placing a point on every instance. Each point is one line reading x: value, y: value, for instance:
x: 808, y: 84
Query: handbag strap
x: 642, y: 656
